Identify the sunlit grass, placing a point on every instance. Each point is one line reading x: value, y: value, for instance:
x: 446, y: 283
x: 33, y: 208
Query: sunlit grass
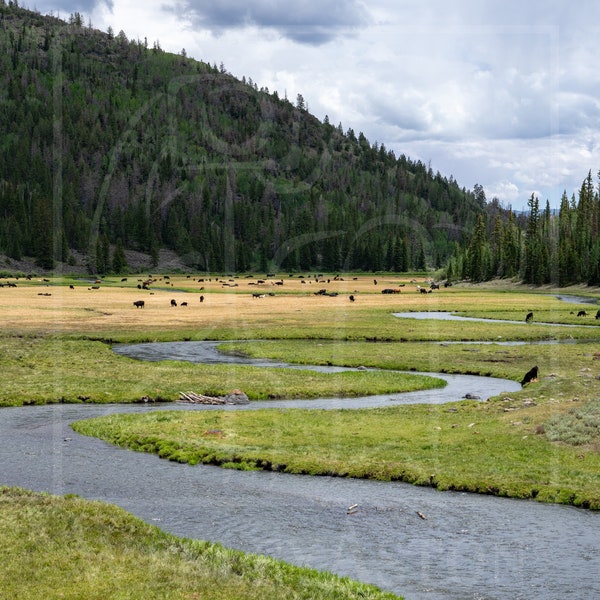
x: 55, y: 350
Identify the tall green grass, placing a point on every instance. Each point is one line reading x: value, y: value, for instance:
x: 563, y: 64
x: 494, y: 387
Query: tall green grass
x: 57, y: 548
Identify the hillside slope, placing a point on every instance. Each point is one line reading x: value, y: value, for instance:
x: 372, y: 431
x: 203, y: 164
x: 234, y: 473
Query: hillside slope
x: 109, y: 145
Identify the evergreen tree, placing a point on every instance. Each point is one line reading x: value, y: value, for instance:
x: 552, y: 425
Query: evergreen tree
x: 477, y: 267
x: 534, y: 268
x: 566, y: 252
x: 119, y: 261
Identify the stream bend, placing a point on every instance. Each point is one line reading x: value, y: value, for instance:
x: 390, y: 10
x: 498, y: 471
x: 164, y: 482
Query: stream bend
x: 470, y: 547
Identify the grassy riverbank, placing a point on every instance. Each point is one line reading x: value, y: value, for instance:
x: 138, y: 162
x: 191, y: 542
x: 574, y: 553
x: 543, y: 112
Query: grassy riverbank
x: 41, y: 370
x: 492, y: 448
x: 542, y: 442
x: 71, y: 548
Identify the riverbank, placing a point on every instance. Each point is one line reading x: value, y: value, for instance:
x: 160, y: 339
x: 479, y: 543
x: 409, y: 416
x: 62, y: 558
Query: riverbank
x: 67, y: 547
x: 55, y: 350
x: 496, y: 448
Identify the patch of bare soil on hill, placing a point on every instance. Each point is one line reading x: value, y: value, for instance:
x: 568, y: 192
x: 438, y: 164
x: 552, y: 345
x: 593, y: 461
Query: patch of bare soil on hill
x: 138, y: 262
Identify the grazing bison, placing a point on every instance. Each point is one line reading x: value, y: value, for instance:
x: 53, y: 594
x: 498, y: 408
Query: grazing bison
x: 173, y: 303
x: 201, y: 298
x: 529, y: 317
x: 582, y: 313
x: 598, y: 315
x: 351, y: 297
x: 531, y: 375
x: 390, y: 291
x: 139, y: 304
x: 183, y: 304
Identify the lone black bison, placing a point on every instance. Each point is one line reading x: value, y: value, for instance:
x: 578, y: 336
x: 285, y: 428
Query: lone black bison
x: 529, y: 317
x: 139, y: 304
x: 598, y: 315
x: 531, y: 375
x: 582, y: 313
x: 173, y: 303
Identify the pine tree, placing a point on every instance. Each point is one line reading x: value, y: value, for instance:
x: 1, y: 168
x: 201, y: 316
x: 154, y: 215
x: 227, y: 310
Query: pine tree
x: 119, y: 261
x: 476, y: 255
x: 534, y: 268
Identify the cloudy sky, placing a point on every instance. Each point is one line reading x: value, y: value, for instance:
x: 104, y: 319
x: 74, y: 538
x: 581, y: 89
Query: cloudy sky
x: 501, y: 93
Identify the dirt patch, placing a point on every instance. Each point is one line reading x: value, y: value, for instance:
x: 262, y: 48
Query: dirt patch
x: 138, y: 262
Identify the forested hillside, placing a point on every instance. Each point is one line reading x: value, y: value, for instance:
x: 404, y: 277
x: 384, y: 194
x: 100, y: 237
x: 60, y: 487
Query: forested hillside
x: 109, y: 144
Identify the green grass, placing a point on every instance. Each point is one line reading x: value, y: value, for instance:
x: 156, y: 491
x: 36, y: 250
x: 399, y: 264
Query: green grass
x: 491, y: 448
x: 71, y: 548
x: 49, y: 370
x: 542, y: 442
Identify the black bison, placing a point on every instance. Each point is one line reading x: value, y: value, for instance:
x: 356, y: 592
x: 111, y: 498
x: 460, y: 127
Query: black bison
x: 201, y: 298
x: 582, y: 313
x: 390, y: 291
x: 529, y: 317
x: 183, y: 304
x: 531, y: 375
x: 139, y: 304
x: 351, y: 297
x: 435, y: 286
x: 598, y: 315
x: 173, y: 303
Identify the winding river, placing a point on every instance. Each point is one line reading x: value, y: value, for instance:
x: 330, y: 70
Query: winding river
x: 469, y: 546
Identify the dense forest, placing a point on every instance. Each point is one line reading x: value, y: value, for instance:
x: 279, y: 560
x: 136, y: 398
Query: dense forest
x: 109, y: 144
x: 545, y: 247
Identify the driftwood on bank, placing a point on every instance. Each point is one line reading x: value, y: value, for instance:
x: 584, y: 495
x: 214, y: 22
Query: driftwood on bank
x: 194, y: 398
x: 234, y: 397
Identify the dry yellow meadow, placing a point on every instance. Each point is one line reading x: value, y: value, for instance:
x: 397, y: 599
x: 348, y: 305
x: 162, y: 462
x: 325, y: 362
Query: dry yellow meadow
x: 40, y: 306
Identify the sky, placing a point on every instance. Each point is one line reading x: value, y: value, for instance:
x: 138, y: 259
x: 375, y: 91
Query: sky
x: 500, y: 93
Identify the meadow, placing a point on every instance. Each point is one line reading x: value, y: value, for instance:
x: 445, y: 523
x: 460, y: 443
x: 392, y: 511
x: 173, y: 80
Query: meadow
x: 539, y: 443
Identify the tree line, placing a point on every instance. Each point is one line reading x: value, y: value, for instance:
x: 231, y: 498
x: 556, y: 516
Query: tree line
x: 109, y: 144
x: 543, y: 246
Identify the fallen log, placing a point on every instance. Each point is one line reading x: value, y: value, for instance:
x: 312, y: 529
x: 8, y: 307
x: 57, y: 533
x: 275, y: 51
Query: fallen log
x: 194, y: 398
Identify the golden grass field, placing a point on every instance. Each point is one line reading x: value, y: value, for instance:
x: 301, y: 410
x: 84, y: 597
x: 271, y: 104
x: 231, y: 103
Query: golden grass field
x: 106, y: 309
x: 37, y: 306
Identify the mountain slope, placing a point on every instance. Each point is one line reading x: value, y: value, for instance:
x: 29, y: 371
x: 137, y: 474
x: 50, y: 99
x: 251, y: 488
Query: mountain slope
x: 107, y: 143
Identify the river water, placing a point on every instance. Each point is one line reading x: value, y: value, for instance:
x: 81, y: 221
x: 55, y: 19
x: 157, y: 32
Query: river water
x: 468, y: 547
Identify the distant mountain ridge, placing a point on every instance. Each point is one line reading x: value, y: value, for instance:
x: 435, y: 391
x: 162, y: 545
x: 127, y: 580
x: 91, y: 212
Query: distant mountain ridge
x: 107, y: 144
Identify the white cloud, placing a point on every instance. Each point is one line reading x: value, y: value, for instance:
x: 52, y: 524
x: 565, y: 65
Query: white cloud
x: 501, y: 93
